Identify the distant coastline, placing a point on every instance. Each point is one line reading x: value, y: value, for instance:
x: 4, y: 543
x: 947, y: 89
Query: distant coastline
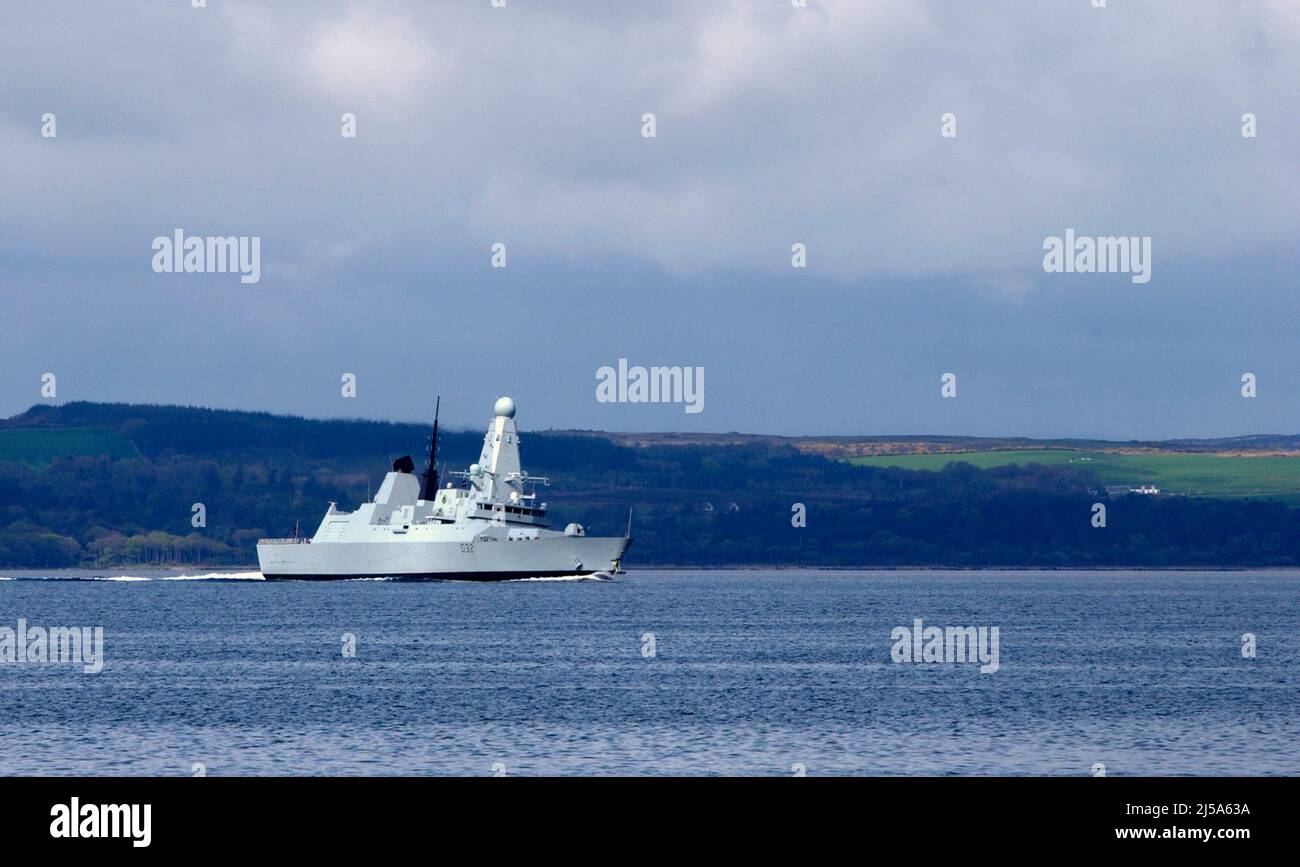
x: 106, y: 486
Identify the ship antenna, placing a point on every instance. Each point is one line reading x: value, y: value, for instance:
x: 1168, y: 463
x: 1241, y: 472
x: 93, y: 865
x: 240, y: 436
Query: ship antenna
x: 629, y: 522
x: 430, y: 474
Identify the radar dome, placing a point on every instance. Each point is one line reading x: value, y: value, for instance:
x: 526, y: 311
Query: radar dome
x: 505, y: 406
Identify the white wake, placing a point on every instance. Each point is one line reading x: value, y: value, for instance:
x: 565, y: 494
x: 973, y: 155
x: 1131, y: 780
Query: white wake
x: 589, y: 576
x: 206, y: 576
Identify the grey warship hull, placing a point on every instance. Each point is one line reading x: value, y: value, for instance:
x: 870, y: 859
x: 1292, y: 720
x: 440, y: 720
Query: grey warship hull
x: 433, y: 576
x: 490, y: 555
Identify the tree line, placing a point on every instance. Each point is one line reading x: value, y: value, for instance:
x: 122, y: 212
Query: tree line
x: 257, y: 475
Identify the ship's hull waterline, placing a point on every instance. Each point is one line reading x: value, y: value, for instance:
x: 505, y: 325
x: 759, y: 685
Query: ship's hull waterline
x: 439, y: 576
x: 447, y: 561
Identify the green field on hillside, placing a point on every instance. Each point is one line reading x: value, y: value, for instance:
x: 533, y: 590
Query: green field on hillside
x: 1205, y: 475
x: 40, y: 446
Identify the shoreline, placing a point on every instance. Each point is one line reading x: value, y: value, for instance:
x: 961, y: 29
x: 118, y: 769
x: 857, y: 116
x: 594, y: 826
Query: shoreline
x: 743, y: 567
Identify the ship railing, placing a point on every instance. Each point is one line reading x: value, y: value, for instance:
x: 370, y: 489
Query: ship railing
x: 289, y: 541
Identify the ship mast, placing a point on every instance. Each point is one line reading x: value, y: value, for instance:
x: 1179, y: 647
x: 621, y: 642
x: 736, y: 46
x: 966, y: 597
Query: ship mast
x: 429, y: 489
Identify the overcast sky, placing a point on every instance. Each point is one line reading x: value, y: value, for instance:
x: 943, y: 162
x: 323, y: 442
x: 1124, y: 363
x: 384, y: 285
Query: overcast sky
x: 775, y: 125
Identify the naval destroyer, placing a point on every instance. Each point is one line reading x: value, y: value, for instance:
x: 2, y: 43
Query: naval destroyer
x: 489, y: 527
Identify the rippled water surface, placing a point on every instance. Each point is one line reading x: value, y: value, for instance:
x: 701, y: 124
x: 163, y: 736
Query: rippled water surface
x: 752, y: 673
